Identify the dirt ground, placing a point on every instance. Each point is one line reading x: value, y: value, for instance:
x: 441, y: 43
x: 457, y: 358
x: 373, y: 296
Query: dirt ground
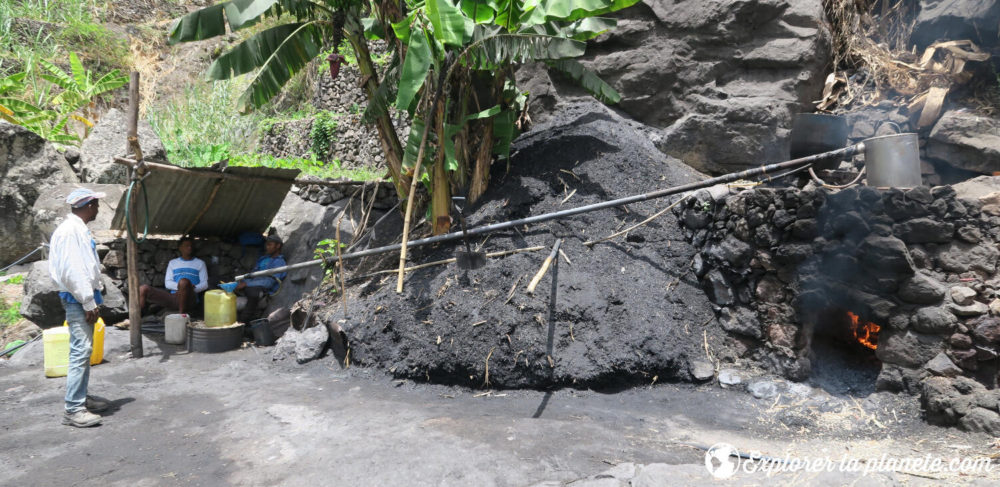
x: 236, y: 419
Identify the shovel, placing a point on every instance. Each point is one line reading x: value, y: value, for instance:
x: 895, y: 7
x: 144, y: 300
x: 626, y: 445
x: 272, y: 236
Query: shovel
x: 466, y: 259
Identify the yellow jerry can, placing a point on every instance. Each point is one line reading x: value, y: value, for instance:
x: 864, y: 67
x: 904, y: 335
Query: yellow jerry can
x: 55, y: 344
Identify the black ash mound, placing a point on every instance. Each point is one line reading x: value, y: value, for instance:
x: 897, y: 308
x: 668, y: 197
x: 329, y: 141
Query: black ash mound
x: 627, y: 311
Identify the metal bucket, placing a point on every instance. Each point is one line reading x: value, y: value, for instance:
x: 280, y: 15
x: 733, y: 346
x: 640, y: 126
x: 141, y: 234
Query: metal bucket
x: 815, y: 133
x: 893, y: 161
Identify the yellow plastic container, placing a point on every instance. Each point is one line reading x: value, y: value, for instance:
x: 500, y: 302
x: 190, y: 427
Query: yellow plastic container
x: 220, y: 308
x: 55, y: 345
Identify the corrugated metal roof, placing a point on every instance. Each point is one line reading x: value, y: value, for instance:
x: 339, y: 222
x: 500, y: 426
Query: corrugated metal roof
x: 176, y: 199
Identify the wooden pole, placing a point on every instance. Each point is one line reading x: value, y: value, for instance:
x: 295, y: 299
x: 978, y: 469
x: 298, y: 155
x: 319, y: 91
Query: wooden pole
x: 134, y: 313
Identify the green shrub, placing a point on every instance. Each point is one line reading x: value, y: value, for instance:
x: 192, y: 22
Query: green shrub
x: 18, y: 279
x: 322, y: 134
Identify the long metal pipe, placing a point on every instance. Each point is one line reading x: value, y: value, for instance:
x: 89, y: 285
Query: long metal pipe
x: 495, y: 227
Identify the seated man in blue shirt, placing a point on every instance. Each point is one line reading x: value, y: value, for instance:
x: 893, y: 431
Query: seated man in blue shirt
x: 256, y: 288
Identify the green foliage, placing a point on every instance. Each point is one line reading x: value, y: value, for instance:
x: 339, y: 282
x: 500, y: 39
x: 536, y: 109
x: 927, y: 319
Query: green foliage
x: 48, y: 112
x: 203, y: 117
x: 9, y: 314
x: 326, y: 249
x: 322, y: 134
x: 18, y: 279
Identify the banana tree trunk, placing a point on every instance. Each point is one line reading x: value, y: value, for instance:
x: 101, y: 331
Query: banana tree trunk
x: 483, y: 161
x: 386, y: 130
x: 440, y: 188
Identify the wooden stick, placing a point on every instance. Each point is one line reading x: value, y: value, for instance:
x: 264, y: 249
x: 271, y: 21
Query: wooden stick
x: 131, y: 249
x: 448, y: 261
x: 340, y: 264
x: 637, y: 225
x: 236, y: 177
x: 545, y: 267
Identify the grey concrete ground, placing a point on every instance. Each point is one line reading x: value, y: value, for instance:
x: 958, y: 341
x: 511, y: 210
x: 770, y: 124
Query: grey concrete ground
x: 236, y: 419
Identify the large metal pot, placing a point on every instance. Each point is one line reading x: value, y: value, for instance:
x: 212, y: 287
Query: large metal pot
x: 893, y: 161
x: 815, y: 133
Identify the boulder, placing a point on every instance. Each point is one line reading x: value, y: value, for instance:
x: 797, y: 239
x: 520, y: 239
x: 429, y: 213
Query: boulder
x: 737, y: 71
x: 922, y: 289
x: 962, y: 295
x: 701, y: 370
x: 942, y: 365
x: 41, y: 303
x: 107, y: 141
x: 50, y: 208
x: 908, y: 348
x: 959, y: 257
x: 941, y: 20
x: 311, y: 344
x: 924, y: 230
x: 979, y: 188
x: 966, y: 140
x: 934, y: 320
x: 29, y: 167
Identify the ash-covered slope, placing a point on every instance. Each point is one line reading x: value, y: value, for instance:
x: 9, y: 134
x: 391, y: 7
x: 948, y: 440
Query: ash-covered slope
x: 626, y: 311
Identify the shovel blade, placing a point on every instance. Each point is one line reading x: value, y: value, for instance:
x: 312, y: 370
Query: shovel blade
x: 470, y: 260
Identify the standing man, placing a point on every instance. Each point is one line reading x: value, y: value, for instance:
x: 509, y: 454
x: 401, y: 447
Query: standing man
x: 256, y: 288
x: 74, y: 267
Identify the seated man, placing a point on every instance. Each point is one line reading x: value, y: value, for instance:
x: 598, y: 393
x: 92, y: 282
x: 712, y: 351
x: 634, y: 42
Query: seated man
x: 256, y: 288
x: 186, y: 277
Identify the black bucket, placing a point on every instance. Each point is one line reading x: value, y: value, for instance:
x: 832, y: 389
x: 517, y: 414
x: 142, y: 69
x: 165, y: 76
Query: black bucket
x: 262, y: 334
x: 214, y: 340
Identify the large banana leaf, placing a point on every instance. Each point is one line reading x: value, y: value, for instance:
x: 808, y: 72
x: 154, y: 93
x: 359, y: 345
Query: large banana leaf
x: 480, y: 11
x: 80, y: 75
x: 570, y: 10
x: 57, y: 77
x: 211, y: 21
x: 450, y: 26
x: 518, y: 48
x: 110, y: 81
x: 415, y: 66
x: 251, y: 53
x: 14, y: 82
x: 291, y: 55
x: 588, y: 80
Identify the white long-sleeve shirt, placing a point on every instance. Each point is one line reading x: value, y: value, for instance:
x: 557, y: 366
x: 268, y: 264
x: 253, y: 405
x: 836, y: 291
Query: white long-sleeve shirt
x: 193, y: 270
x: 73, y: 263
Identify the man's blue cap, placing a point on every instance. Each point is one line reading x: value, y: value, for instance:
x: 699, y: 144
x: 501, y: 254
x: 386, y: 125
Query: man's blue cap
x: 81, y: 196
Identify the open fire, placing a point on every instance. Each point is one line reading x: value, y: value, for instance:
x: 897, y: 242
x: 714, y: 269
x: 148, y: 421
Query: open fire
x: 866, y: 334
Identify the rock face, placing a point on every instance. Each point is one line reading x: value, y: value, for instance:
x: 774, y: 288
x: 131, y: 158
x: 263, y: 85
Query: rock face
x: 966, y: 140
x: 29, y: 167
x: 718, y: 79
x: 106, y: 141
x: 50, y: 208
x: 302, y: 224
x: 957, y: 19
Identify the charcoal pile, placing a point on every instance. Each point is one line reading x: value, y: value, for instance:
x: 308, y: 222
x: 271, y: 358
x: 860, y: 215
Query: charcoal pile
x: 627, y: 311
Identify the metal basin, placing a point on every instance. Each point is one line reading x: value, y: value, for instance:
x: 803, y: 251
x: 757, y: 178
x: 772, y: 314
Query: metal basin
x: 893, y: 161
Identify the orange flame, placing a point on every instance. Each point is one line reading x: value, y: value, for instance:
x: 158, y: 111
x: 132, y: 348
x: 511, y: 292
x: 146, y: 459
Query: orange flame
x: 866, y: 334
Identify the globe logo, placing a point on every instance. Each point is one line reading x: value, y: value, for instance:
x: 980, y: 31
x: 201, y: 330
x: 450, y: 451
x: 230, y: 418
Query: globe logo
x: 722, y: 460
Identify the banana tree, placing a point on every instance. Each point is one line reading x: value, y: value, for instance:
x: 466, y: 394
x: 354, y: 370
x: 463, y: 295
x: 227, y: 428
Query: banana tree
x: 271, y: 57
x: 457, y: 81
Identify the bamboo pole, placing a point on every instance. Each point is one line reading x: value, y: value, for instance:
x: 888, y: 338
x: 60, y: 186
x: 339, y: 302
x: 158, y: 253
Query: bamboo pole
x: 132, y: 251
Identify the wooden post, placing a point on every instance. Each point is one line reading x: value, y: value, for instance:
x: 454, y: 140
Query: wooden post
x: 134, y: 313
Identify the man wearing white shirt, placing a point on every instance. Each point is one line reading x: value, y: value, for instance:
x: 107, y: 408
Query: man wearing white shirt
x: 186, y: 277
x: 76, y: 270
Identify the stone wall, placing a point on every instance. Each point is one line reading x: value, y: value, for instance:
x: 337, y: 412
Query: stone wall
x: 356, y: 144
x: 778, y: 263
